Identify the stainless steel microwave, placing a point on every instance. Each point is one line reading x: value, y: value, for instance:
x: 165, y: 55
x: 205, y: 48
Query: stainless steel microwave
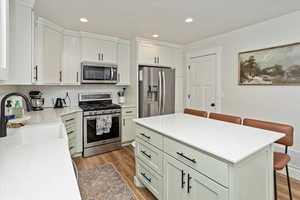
x: 93, y: 72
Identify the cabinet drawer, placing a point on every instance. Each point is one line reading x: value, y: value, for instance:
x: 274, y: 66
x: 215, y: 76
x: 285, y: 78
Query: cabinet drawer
x: 128, y: 112
x: 149, y: 136
x: 150, y: 155
x: 205, y: 164
x: 150, y: 179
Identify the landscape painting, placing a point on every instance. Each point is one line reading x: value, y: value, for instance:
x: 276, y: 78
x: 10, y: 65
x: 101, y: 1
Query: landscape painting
x: 273, y: 66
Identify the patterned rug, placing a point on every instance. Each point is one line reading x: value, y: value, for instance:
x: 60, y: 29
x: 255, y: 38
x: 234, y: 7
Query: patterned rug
x: 104, y: 183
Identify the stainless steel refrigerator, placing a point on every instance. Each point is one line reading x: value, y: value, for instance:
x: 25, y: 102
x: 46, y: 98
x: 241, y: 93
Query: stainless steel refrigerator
x: 156, y: 91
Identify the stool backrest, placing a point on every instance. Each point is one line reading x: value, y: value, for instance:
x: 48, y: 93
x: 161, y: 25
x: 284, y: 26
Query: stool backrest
x: 225, y: 118
x: 199, y: 113
x: 288, y: 130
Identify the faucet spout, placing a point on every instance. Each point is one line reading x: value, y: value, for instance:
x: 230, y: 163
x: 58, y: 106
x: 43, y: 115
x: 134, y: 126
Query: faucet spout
x: 3, y: 129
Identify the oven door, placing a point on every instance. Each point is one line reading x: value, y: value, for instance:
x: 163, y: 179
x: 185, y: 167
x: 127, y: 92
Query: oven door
x: 92, y: 73
x: 91, y: 138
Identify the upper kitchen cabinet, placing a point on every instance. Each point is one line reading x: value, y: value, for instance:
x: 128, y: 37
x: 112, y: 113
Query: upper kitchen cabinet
x: 21, y: 42
x: 156, y: 54
x: 49, y: 38
x: 124, y: 62
x: 98, y: 48
x: 4, y: 33
x: 71, y: 58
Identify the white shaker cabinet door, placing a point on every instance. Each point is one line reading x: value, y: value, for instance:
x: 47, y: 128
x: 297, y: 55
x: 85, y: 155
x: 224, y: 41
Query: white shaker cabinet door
x: 147, y: 54
x: 50, y: 46
x: 71, y: 60
x: 128, y: 129
x: 175, y: 182
x: 108, y: 51
x: 201, y: 187
x: 164, y: 56
x: 123, y: 64
x: 90, y: 50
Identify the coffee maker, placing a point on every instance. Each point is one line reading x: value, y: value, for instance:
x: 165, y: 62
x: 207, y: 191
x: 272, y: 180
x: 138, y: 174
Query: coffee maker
x: 36, y: 100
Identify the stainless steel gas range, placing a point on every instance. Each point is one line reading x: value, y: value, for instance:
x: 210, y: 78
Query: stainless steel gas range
x: 101, y: 123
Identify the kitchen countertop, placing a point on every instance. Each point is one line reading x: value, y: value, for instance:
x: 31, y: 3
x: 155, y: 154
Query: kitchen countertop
x: 49, y: 115
x: 230, y: 142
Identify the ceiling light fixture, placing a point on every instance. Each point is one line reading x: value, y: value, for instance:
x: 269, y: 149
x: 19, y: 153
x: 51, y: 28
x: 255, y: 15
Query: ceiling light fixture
x: 84, y: 20
x: 189, y: 20
x: 155, y: 36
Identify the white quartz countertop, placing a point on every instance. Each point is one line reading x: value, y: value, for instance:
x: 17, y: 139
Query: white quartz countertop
x: 49, y: 115
x: 224, y: 140
x: 35, y: 160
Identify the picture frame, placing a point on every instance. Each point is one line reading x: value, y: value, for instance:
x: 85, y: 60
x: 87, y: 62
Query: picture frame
x: 279, y: 65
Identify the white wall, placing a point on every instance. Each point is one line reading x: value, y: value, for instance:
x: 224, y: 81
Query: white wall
x: 6, y: 89
x: 271, y: 103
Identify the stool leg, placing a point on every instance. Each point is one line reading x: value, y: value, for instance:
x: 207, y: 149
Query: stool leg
x: 275, y: 186
x: 289, y: 182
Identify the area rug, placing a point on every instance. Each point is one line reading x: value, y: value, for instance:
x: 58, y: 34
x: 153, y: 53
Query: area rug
x: 104, y: 183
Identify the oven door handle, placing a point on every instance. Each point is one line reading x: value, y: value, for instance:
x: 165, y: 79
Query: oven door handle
x: 94, y: 117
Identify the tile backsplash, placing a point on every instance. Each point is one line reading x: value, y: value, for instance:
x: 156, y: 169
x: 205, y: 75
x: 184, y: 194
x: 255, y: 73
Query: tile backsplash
x: 50, y: 93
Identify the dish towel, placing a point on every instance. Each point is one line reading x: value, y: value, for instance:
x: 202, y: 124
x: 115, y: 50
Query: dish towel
x: 103, y: 124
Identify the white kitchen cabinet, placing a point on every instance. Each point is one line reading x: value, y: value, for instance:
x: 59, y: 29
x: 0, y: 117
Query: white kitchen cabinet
x: 182, y: 182
x: 98, y: 49
x: 128, y: 126
x: 71, y: 58
x: 147, y: 54
x: 49, y: 53
x: 156, y: 55
x: 4, y: 38
x: 21, y: 43
x: 123, y: 63
x: 73, y: 124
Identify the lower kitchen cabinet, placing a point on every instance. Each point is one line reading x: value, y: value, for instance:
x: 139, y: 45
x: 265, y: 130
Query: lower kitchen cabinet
x: 183, y: 182
x: 128, y: 126
x: 73, y: 124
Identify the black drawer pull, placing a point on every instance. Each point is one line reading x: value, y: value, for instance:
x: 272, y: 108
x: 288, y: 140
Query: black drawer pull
x: 182, y: 179
x: 184, y: 156
x: 148, y: 179
x: 189, y: 187
x: 68, y: 120
x: 148, y: 155
x: 70, y: 132
x: 146, y: 136
x: 129, y: 112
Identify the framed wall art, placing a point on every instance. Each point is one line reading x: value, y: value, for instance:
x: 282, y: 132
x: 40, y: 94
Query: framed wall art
x: 271, y: 66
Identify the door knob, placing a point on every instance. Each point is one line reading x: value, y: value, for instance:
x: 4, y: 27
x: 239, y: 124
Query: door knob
x: 213, y: 105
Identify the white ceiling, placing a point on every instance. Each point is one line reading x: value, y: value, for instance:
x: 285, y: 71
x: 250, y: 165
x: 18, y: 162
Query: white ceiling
x: 130, y: 18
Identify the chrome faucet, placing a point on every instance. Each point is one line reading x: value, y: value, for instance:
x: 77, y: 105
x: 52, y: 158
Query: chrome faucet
x: 3, y: 121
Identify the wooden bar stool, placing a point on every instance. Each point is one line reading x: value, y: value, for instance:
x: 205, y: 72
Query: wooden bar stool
x: 280, y: 159
x: 225, y: 118
x: 199, y: 113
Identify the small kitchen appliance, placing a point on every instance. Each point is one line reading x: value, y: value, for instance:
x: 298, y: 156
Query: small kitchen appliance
x: 59, y: 103
x: 36, y: 100
x: 101, y: 123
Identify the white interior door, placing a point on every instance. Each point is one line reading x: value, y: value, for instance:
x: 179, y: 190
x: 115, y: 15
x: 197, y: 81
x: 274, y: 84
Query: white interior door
x: 202, y: 83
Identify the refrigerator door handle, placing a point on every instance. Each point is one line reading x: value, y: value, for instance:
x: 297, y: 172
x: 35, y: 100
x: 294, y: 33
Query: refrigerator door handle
x: 164, y: 92
x: 160, y: 92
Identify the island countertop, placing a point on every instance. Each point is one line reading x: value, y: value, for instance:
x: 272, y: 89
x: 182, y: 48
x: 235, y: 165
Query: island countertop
x: 227, y: 141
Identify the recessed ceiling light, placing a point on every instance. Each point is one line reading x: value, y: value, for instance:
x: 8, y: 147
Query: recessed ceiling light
x: 84, y: 20
x: 155, y: 36
x: 189, y: 20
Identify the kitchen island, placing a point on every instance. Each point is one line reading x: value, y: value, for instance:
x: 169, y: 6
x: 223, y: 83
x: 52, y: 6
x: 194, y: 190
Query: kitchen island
x: 181, y: 156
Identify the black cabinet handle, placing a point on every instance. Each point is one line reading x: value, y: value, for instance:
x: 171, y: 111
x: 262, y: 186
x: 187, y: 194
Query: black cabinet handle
x: 148, y: 155
x: 184, y: 156
x: 36, y: 73
x: 144, y: 175
x: 129, y: 111
x: 68, y: 120
x: 182, y: 179
x: 213, y: 105
x: 189, y: 187
x: 146, y: 136
x: 70, y: 132
x: 77, y: 77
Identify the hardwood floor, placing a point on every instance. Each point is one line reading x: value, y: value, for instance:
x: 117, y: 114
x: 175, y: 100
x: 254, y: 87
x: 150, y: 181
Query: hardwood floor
x: 123, y: 159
